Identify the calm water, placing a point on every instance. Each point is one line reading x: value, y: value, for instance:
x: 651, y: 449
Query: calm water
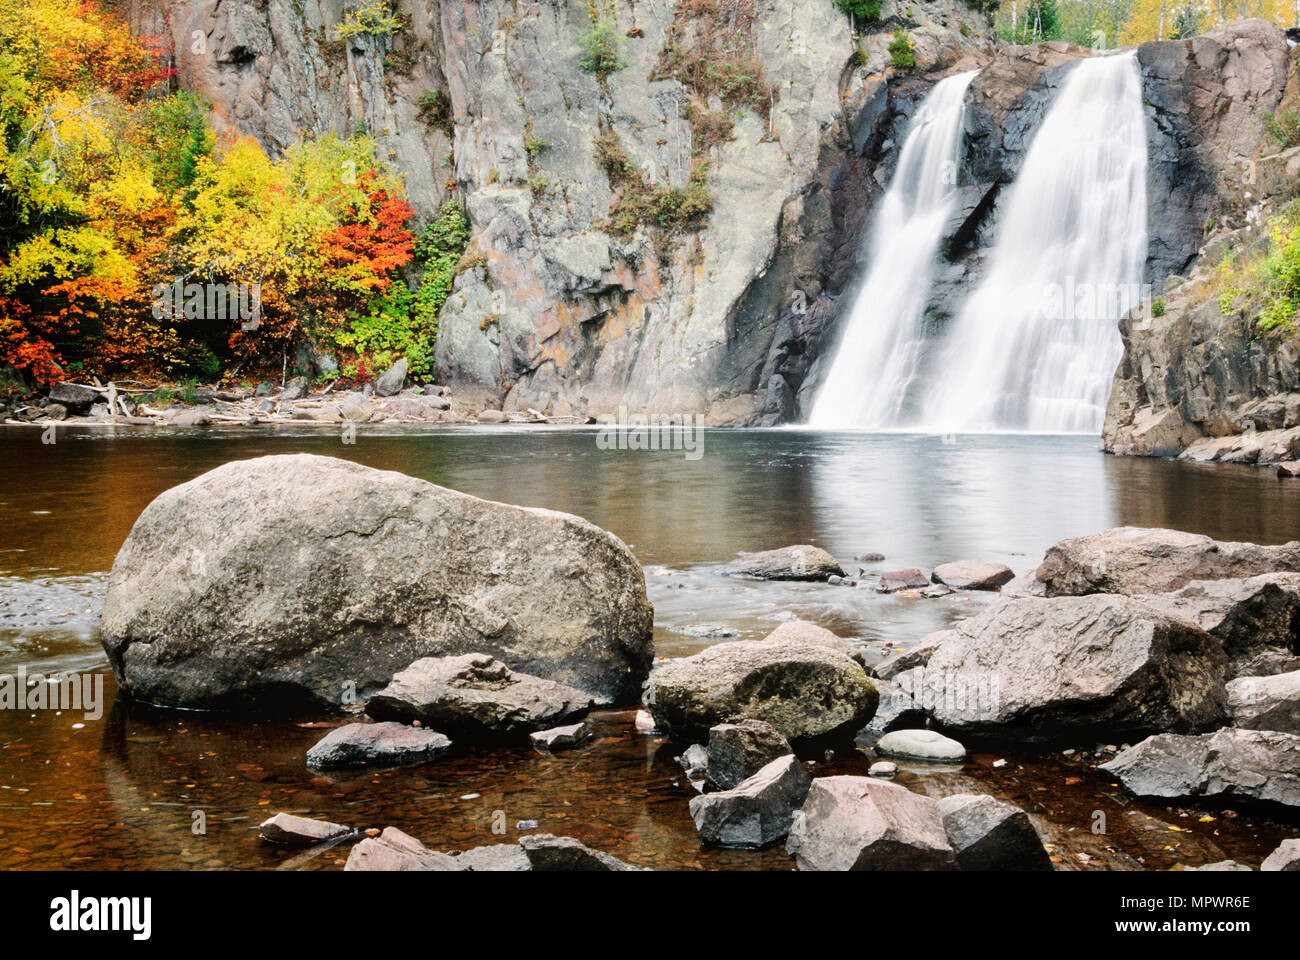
x: 121, y: 791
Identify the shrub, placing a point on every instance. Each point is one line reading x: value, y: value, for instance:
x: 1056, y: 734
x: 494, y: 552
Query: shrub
x: 863, y: 10
x: 1283, y: 129
x: 1158, y: 307
x: 602, y: 48
x: 374, y: 19
x: 901, y: 52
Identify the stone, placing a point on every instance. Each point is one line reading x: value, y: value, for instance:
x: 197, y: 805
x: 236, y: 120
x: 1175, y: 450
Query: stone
x: 936, y: 590
x: 989, y: 834
x: 392, y: 380
x: 896, y: 580
x: 869, y: 557
x: 355, y: 407
x: 860, y: 823
x: 884, y: 769
x: 695, y: 761
x: 920, y: 745
x: 1286, y: 858
x: 55, y: 411
x: 1139, y: 560
x: 758, y: 811
x: 1050, y: 669
x: 562, y: 738
x: 283, y: 581
x: 1266, y: 703
x: 803, y: 562
x: 295, y: 389
x: 548, y: 852
x: 1221, y: 866
x: 492, y: 416
x: 1288, y: 469
x: 264, y: 389
x: 295, y: 831
x: 1227, y: 765
x: 739, y: 750
x: 196, y: 417
x: 495, y: 858
x: 377, y: 744
x: 394, y: 850
x: 476, y: 696
x: 73, y: 396
x: 801, y: 679
x: 972, y: 575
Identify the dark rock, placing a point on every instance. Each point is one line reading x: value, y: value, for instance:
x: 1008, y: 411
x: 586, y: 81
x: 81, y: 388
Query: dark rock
x: 988, y: 834
x: 290, y: 830
x: 476, y: 696
x: 758, y: 811
x: 739, y: 750
x: 786, y: 563
x: 548, y: 852
x: 380, y: 744
x: 73, y: 396
x: 392, y: 379
x: 394, y: 850
x: 972, y: 575
x: 295, y: 389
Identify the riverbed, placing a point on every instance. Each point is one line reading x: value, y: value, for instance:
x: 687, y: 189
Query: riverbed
x: 132, y: 788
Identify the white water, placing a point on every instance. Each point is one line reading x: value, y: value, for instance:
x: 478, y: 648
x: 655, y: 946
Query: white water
x: 1036, y: 346
x: 878, y: 355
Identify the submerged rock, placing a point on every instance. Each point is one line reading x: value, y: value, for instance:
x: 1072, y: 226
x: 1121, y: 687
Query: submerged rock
x: 988, y: 834
x: 1266, y: 703
x: 920, y: 745
x: 476, y: 696
x: 758, y: 811
x: 1229, y: 764
x: 291, y: 582
x: 295, y: 831
x: 548, y: 852
x: 972, y: 575
x: 739, y: 750
x: 801, y: 679
x: 363, y: 744
x: 1139, y: 560
x: 857, y: 823
x: 394, y: 850
x: 804, y: 562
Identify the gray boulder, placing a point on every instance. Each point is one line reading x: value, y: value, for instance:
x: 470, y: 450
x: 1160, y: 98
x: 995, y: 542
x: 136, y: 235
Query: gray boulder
x: 73, y: 396
x: 972, y: 575
x: 476, y: 696
x: 355, y: 407
x: 390, y: 382
x: 294, y: 831
x: 1229, y: 764
x: 801, y: 679
x: 394, y: 850
x: 1043, y: 669
x: 548, y: 852
x: 295, y: 389
x: 758, y: 811
x: 1140, y: 560
x: 804, y: 562
x: 857, y: 823
x: 1286, y: 858
x: 378, y: 744
x: 739, y: 750
x: 1266, y: 703
x: 988, y: 834
x: 303, y: 581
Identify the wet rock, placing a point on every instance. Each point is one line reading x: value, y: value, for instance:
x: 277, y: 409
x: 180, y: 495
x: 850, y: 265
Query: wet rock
x: 883, y: 769
x: 708, y: 631
x: 988, y: 834
x: 73, y: 396
x: 394, y: 850
x: 695, y: 761
x: 801, y: 679
x: 379, y: 744
x: 1285, y: 858
x: 972, y: 575
x: 803, y: 562
x: 920, y: 745
x: 859, y: 823
x: 739, y: 750
x: 359, y: 572
x: 548, y: 852
x: 1229, y: 764
x: 476, y: 696
x: 758, y: 811
x: 909, y: 579
x: 294, y: 831
x: 495, y: 858
x: 295, y: 389
x: 1045, y: 669
x: 562, y: 738
x: 1266, y: 703
x: 934, y: 591
x: 392, y: 379
x: 1140, y: 560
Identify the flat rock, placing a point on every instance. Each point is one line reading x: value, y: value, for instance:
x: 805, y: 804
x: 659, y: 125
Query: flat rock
x: 737, y: 751
x: 860, y: 823
x: 920, y: 745
x: 1285, y: 858
x: 495, y: 858
x: 801, y: 679
x: 1266, y: 703
x: 1229, y: 764
x: 989, y: 834
x: 295, y: 831
x: 758, y: 811
x: 476, y: 696
x: 378, y: 744
x: 801, y: 562
x: 972, y: 575
x: 548, y: 852
x: 394, y: 850
x: 896, y: 580
x: 562, y: 738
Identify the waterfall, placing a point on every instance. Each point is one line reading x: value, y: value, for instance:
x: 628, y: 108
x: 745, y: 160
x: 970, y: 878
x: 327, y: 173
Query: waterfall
x: 1036, y: 345
x: 880, y: 348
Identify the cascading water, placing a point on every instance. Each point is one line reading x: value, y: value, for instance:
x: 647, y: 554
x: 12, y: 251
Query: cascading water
x: 1036, y: 346
x: 879, y: 352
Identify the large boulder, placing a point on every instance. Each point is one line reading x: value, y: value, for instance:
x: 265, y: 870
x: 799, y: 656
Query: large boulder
x: 476, y: 696
x: 990, y: 834
x: 786, y: 563
x: 758, y: 811
x: 857, y: 823
x: 1139, y: 560
x: 801, y: 679
x: 1044, y: 669
x: 1229, y: 764
x: 299, y: 581
x: 1266, y: 703
x: 737, y: 751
